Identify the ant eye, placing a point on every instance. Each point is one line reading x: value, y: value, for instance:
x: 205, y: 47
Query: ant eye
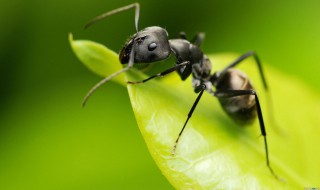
x: 152, y: 46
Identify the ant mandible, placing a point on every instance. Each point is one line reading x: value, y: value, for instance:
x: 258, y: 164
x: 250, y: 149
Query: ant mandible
x: 233, y: 88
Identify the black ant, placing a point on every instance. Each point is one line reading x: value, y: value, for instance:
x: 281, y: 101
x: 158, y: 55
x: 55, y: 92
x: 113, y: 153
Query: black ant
x: 233, y: 88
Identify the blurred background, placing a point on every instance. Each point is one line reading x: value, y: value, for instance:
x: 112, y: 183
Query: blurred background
x: 47, y: 141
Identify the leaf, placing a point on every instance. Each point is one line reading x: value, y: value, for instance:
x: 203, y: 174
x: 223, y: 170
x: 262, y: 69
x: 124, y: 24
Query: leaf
x: 96, y: 57
x: 213, y: 152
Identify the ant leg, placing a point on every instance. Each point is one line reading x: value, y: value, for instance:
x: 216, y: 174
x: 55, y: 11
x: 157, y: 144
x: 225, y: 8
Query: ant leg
x: 216, y: 79
x: 198, y: 39
x: 200, y: 89
x: 239, y: 60
x: 176, y: 67
x: 233, y: 93
x: 121, y: 9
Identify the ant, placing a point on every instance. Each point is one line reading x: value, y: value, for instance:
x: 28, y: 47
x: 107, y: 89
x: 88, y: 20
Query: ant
x: 233, y: 88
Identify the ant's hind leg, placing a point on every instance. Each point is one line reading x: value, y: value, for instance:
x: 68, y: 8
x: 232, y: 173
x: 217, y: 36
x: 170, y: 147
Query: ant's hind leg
x: 239, y: 60
x: 234, y: 93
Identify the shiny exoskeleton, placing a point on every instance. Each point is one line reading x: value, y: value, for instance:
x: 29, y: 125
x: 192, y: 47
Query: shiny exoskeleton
x: 232, y: 87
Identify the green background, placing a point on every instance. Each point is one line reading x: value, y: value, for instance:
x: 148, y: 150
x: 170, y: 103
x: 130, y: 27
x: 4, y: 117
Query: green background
x: 47, y: 141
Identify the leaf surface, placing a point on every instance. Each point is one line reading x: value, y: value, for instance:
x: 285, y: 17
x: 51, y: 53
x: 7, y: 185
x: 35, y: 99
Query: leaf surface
x: 214, y: 152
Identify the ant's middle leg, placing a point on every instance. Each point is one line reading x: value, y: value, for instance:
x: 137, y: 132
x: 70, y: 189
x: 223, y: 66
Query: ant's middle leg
x: 176, y: 67
x: 199, y: 89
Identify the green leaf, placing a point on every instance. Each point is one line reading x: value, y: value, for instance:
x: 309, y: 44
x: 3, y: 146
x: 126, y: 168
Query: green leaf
x: 214, y: 152
x: 96, y: 57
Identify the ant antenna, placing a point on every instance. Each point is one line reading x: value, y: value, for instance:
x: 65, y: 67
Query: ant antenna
x: 131, y: 59
x: 121, y: 9
x: 95, y: 87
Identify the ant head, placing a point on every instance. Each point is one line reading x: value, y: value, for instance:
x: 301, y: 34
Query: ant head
x: 150, y: 44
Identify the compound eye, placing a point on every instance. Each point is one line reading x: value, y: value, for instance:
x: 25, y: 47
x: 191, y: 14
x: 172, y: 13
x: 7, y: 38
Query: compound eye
x: 152, y: 46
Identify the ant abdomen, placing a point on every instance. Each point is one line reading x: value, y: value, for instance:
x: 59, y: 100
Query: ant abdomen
x: 242, y: 109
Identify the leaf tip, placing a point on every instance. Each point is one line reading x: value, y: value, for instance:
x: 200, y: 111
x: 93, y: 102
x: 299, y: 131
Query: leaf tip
x: 70, y: 37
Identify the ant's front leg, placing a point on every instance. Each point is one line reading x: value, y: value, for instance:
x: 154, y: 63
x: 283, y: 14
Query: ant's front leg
x: 176, y: 67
